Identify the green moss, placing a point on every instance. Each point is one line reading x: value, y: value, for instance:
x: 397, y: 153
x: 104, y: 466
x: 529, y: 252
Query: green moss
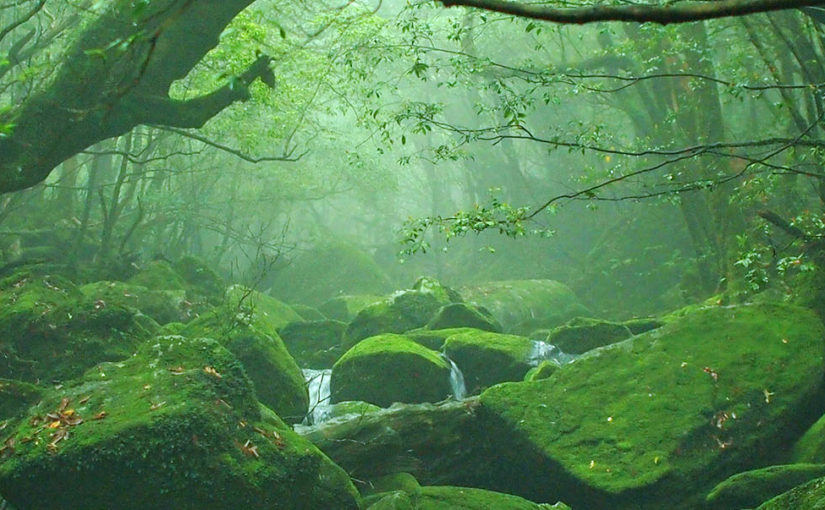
x: 457, y: 315
x: 522, y: 306
x: 50, y: 331
x: 452, y: 498
x: 278, y: 380
x: 669, y: 413
x: 749, y: 489
x: 544, y: 370
x: 276, y: 314
x: 434, y: 339
x: 345, y: 308
x: 810, y: 495
x: 390, y: 368
x: 158, y: 275
x: 161, y: 305
x: 642, y: 325
x: 352, y: 407
x: 315, y: 344
x: 328, y: 270
x: 180, y: 419
x: 583, y: 334
x: 394, y: 482
x: 201, y: 280
x: 15, y: 397
x: 487, y: 358
x: 308, y: 313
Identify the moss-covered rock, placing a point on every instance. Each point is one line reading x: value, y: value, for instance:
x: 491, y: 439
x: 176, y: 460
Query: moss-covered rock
x: 308, y: 313
x: 276, y: 314
x: 453, y: 498
x: 463, y: 315
x: 642, y: 325
x: 487, y: 358
x: 522, y: 306
x: 751, y: 488
x: 15, y: 397
x: 403, y: 311
x: 544, y: 370
x: 314, y: 344
x: 327, y: 270
x: 158, y: 275
x: 434, y: 339
x: 345, y: 308
x: 201, y: 280
x: 810, y: 495
x: 666, y: 415
x: 583, y: 334
x: 350, y: 407
x: 176, y: 426
x: 279, y: 383
x: 50, y: 331
x: 163, y: 306
x: 390, y: 368
x: 810, y: 448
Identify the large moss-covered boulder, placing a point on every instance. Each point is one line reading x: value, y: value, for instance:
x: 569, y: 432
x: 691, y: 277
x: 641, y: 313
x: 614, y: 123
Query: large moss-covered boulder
x: 327, y: 270
x: 345, y: 308
x: 276, y: 314
x: 201, y: 280
x: 158, y: 275
x: 522, y: 306
x: 464, y: 315
x: 176, y: 426
x: 279, y: 383
x: 453, y: 498
x: 487, y: 358
x: 390, y: 368
x: 314, y: 344
x: 164, y: 306
x: 583, y: 334
x: 50, y: 331
x: 308, y: 313
x: 15, y: 397
x: 810, y: 495
x: 810, y: 448
x: 403, y: 311
x: 751, y: 488
x: 663, y: 416
x: 434, y: 339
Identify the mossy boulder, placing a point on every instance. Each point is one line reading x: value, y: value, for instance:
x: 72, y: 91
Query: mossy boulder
x: 279, y: 383
x: 176, y: 426
x: 453, y: 498
x: 434, y: 339
x: 350, y: 407
x: 390, y: 368
x: 751, y: 488
x: 276, y: 314
x: 458, y: 315
x: 314, y: 344
x: 403, y: 311
x: 522, y: 306
x: 810, y: 448
x: 158, y: 275
x: 15, y: 397
x: 163, y: 306
x: 201, y: 280
x: 544, y: 370
x: 583, y: 334
x: 487, y: 358
x: 49, y: 331
x: 327, y: 270
x: 345, y: 308
x: 643, y: 325
x: 308, y: 313
x: 663, y: 416
x: 810, y: 495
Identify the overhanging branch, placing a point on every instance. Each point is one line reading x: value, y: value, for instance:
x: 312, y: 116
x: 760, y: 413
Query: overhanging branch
x: 681, y: 12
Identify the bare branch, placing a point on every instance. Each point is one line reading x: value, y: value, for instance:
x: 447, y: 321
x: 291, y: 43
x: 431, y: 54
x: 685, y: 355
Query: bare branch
x: 286, y: 157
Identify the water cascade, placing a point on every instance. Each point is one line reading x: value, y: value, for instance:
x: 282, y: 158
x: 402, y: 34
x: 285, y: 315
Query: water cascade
x: 456, y: 380
x: 319, y: 395
x: 543, y: 351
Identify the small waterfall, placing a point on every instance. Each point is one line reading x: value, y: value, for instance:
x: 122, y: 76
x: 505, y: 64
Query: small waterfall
x: 319, y: 395
x: 543, y: 351
x: 456, y: 380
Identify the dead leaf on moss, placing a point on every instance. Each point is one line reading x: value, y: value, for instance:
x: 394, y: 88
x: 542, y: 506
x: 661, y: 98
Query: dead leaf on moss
x: 211, y: 371
x: 178, y: 370
x: 157, y: 405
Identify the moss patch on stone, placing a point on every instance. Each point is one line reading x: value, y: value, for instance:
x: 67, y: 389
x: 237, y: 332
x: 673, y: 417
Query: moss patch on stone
x: 276, y: 314
x: 163, y: 306
x: 666, y: 415
x: 522, y: 306
x: 345, y: 308
x: 452, y: 498
x: 457, y: 315
x: 434, y: 339
x: 487, y: 358
x: 15, y: 397
x: 176, y: 426
x: 314, y: 344
x: 583, y: 334
x: 751, y: 488
x: 810, y: 495
x: 201, y: 280
x: 390, y: 368
x: 158, y: 275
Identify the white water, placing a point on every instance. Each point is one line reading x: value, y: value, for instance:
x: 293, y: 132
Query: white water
x: 543, y: 351
x: 319, y: 395
x: 456, y: 380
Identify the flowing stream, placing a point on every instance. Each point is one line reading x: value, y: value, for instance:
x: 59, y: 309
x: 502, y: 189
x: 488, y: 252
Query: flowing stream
x: 319, y: 396
x: 456, y: 380
x: 543, y: 351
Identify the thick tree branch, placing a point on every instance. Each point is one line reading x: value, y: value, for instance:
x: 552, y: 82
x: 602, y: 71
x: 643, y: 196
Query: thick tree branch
x: 663, y: 14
